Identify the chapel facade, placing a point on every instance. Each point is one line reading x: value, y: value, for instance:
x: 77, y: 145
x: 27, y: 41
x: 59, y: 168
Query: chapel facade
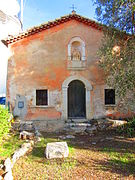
x: 54, y: 73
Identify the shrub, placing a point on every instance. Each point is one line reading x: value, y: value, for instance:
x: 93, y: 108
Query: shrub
x: 5, y: 123
x: 128, y: 129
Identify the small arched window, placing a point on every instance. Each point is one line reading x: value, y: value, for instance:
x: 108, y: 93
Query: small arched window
x: 76, y: 49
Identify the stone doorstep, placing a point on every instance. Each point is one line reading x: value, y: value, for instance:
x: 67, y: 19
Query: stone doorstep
x: 79, y: 127
x: 89, y: 127
x: 79, y: 120
x: 78, y: 124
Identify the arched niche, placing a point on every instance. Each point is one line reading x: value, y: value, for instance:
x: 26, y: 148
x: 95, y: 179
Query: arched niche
x: 76, y: 49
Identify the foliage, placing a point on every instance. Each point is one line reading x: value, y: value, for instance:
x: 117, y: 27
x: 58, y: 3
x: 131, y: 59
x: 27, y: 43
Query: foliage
x: 118, y: 62
x: 117, y: 51
x: 117, y: 13
x: 5, y: 123
x: 128, y: 129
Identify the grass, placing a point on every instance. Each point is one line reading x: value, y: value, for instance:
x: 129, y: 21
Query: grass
x: 122, y: 160
x: 9, y: 145
x: 39, y: 148
x: 36, y: 157
x: 113, y: 159
x: 37, y: 161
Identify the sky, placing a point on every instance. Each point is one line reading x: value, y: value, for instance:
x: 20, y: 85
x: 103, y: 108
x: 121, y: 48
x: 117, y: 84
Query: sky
x: 37, y: 12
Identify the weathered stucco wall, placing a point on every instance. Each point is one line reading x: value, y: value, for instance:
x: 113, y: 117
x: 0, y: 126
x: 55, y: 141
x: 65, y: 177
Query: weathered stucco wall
x: 40, y: 62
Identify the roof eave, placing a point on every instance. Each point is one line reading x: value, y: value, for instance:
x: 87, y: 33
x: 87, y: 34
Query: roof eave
x: 51, y: 24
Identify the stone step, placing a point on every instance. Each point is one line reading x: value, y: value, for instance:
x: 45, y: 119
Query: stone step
x: 79, y: 120
x: 89, y: 127
x: 78, y: 124
x: 79, y: 127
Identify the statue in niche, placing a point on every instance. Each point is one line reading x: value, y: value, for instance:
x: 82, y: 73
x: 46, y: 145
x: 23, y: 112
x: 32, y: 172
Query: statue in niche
x: 76, y: 55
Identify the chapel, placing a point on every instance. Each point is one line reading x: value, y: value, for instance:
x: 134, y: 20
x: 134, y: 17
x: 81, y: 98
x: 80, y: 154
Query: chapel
x: 54, y: 73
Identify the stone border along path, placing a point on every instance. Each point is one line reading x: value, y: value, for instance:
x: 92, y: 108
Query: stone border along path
x: 6, y: 167
x: 9, y: 163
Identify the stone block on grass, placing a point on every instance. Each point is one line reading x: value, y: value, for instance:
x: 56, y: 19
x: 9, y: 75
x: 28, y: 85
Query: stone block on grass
x: 26, y: 135
x: 56, y: 150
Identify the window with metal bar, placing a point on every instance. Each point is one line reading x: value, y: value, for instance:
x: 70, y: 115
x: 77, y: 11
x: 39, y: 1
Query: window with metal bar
x: 42, y: 97
x: 109, y: 96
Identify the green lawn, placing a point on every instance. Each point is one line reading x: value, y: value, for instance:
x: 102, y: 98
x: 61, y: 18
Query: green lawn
x: 122, y: 160
x: 9, y: 145
x: 107, y: 155
x: 109, y: 159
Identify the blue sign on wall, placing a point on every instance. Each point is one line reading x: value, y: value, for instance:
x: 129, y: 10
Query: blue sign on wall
x: 2, y: 100
x: 20, y: 104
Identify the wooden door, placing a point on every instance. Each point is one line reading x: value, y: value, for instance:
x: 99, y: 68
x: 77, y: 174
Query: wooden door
x: 76, y: 100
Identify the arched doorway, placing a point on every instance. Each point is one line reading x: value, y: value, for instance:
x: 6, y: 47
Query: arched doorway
x: 76, y: 99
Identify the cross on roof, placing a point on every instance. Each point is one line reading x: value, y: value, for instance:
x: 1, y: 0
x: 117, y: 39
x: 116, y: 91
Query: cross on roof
x: 73, y: 8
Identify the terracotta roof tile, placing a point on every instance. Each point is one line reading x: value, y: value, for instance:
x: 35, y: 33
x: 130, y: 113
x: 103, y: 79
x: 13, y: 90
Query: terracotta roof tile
x: 50, y: 24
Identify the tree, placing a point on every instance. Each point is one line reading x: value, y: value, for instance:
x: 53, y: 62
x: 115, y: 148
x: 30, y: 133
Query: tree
x: 117, y: 13
x: 117, y: 51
